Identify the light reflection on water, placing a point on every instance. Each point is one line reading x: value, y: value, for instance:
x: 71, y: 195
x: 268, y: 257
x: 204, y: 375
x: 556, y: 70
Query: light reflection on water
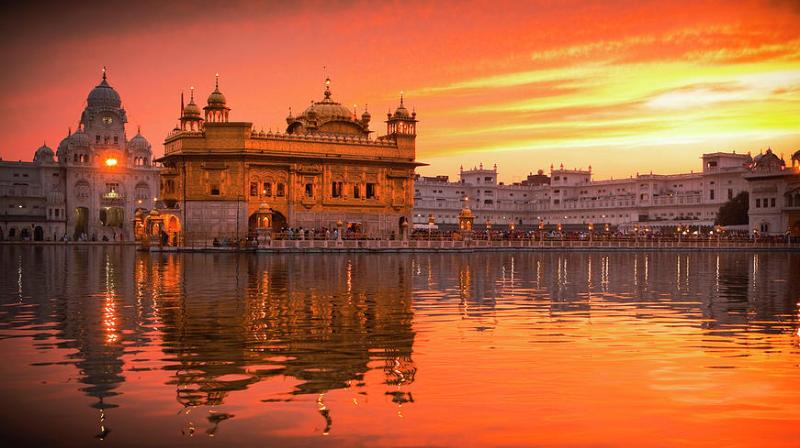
x: 426, y: 349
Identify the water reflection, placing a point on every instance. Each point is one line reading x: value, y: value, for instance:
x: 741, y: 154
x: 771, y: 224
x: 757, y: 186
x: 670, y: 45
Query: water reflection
x: 217, y: 330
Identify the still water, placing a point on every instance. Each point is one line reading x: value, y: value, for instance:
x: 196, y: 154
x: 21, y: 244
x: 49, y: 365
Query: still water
x: 108, y: 346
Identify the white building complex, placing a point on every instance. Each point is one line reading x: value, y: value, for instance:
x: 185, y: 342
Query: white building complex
x: 571, y: 197
x: 89, y: 188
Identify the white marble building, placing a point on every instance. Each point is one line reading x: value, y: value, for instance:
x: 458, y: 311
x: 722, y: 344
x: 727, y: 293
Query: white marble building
x: 572, y: 198
x: 774, y: 195
x: 90, y: 188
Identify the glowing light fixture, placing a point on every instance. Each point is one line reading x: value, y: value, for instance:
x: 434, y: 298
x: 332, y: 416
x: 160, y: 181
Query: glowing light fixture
x: 111, y: 162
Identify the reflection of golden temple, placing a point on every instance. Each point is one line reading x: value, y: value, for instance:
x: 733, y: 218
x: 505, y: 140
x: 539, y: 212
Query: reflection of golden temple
x: 349, y: 322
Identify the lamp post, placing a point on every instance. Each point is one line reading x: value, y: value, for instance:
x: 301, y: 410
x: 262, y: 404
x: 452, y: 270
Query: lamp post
x: 591, y: 232
x: 541, y: 230
x: 238, y: 199
x: 488, y: 229
x: 636, y: 233
x: 431, y: 223
x: 511, y: 227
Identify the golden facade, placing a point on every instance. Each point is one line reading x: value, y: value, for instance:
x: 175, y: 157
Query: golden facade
x: 224, y: 179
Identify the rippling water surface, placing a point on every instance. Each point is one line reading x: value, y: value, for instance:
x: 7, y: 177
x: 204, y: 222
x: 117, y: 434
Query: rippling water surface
x: 110, y: 346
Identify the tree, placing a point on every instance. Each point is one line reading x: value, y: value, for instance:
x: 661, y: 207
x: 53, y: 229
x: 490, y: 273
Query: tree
x: 734, y: 212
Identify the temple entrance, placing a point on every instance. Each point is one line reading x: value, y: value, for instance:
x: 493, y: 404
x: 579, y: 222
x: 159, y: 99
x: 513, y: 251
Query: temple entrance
x: 173, y: 230
x: 38, y: 234
x: 24, y: 235
x: 112, y: 216
x: 278, y: 221
x: 81, y: 222
x: 795, y: 228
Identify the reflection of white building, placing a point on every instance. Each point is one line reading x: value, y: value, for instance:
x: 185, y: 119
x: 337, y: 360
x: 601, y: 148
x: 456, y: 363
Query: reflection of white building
x: 91, y: 186
x: 572, y: 198
x: 774, y: 194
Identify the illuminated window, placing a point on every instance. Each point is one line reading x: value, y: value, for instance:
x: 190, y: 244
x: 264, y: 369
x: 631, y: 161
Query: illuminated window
x: 371, y: 191
x: 268, y: 189
x: 281, y: 190
x: 253, y: 188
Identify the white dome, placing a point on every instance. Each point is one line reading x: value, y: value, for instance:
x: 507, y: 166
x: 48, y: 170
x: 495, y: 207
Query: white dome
x: 43, y: 155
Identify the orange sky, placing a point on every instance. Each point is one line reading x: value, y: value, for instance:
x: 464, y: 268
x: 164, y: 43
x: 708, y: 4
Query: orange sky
x: 623, y: 86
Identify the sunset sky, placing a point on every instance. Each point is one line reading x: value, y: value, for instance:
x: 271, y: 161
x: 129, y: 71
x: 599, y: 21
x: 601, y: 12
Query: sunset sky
x: 623, y: 86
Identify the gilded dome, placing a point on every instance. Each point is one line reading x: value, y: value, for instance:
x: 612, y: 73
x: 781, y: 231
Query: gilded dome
x: 328, y: 117
x: 216, y: 98
x: 401, y: 112
x: 327, y: 109
x: 103, y: 95
x: 191, y: 109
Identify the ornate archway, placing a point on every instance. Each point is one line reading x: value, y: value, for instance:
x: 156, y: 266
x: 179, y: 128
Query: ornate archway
x: 81, y: 222
x: 278, y: 221
x: 173, y: 228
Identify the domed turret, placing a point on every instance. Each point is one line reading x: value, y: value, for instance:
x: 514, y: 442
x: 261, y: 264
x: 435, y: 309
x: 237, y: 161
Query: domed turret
x: 138, y: 143
x: 366, y: 117
x: 191, y: 109
x: 43, y: 155
x: 140, y: 149
x: 103, y: 95
x: 768, y: 161
x: 63, y: 147
x: 190, y: 115
x: 401, y: 111
x: 216, y: 98
x: 79, y: 139
x: 216, y: 110
x: 401, y: 122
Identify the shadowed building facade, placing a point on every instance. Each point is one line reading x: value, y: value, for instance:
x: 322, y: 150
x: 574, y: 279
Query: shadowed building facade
x: 224, y: 179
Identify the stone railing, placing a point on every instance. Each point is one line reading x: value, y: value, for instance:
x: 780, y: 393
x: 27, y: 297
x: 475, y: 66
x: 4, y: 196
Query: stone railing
x: 446, y: 245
